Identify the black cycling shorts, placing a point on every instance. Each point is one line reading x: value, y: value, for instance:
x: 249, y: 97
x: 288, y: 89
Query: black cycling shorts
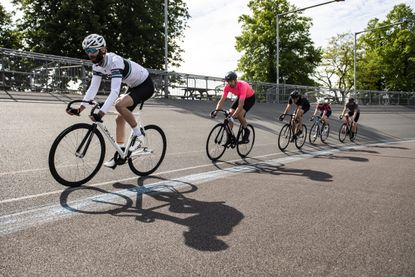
x: 327, y: 114
x: 141, y: 93
x: 356, y: 117
x: 249, y: 102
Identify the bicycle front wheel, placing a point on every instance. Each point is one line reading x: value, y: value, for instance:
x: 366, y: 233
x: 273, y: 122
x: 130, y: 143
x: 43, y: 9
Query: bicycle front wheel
x: 244, y: 147
x: 216, y: 142
x: 343, y: 132
x: 325, y: 131
x: 313, y: 133
x: 284, y: 137
x: 148, y: 158
x: 300, y: 140
x: 76, y: 155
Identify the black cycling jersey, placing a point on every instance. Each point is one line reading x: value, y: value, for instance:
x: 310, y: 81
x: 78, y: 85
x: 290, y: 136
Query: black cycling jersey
x: 302, y: 101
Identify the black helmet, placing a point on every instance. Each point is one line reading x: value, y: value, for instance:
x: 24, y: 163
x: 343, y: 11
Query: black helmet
x: 230, y: 76
x: 295, y: 93
x: 351, y: 100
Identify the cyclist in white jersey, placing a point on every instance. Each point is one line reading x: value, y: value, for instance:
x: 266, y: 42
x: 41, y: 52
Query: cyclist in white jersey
x: 136, y: 77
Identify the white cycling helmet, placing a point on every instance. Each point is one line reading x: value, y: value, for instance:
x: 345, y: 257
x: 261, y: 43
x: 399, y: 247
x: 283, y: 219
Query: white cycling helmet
x: 93, y: 41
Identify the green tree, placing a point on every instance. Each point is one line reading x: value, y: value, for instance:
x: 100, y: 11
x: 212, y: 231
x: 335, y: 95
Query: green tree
x: 335, y: 71
x: 386, y: 58
x: 132, y: 28
x: 9, y: 37
x: 298, y: 56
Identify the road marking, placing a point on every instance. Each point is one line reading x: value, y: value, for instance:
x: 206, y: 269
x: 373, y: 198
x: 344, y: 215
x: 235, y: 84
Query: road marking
x: 22, y: 220
x: 125, y: 179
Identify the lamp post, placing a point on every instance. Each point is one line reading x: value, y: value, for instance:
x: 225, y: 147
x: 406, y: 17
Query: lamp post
x: 354, y: 50
x: 278, y: 33
x: 166, y: 61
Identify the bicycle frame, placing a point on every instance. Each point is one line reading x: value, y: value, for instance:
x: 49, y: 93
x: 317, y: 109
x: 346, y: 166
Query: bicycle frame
x: 104, y: 130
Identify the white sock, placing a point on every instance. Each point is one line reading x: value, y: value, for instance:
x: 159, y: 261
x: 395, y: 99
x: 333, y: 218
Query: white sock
x: 137, y: 131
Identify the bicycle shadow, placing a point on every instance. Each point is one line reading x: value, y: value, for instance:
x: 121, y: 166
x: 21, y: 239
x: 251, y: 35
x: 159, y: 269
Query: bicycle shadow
x: 261, y: 166
x: 206, y: 221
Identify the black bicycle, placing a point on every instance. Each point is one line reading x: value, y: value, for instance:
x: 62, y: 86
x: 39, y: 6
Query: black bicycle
x: 78, y: 152
x: 318, y: 129
x: 286, y: 135
x: 346, y: 130
x: 222, y: 137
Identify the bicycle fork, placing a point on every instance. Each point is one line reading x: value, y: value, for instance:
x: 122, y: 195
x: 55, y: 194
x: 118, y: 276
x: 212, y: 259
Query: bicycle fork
x: 86, y: 141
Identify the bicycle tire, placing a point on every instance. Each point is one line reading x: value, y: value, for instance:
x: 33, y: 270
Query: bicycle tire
x: 343, y: 131
x: 244, y: 149
x: 324, y: 135
x: 65, y: 166
x: 300, y: 140
x: 148, y: 158
x: 284, y: 137
x: 219, y: 138
x: 314, y: 131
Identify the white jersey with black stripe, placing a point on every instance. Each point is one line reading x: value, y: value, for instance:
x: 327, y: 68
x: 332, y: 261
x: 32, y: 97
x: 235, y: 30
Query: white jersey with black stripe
x: 121, y: 71
x: 113, y: 65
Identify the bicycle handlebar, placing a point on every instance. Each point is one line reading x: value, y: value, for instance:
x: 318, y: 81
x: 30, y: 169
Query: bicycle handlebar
x: 90, y: 102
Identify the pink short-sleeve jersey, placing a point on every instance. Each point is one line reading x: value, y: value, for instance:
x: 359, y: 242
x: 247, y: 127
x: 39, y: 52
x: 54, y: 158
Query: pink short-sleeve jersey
x: 242, y: 89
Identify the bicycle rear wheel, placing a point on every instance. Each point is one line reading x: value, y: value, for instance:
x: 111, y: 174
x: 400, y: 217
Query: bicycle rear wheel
x: 76, y: 155
x: 300, y: 140
x: 313, y: 133
x: 244, y: 149
x: 343, y: 132
x: 284, y: 137
x: 325, y: 131
x: 148, y: 158
x: 216, y: 142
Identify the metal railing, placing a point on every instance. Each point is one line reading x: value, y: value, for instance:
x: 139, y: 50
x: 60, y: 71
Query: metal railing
x: 35, y: 72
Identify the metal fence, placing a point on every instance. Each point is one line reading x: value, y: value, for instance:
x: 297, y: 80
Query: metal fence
x: 35, y: 72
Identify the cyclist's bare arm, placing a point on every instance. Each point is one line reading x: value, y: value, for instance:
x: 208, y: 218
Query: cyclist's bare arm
x: 221, y: 102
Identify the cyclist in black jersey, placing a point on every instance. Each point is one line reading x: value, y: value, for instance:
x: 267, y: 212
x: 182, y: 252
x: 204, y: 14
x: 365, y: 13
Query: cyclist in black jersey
x: 353, y: 110
x: 303, y: 105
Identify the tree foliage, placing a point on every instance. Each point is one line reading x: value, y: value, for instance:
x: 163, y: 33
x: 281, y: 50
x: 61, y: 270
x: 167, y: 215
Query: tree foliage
x: 386, y: 54
x: 335, y: 70
x: 132, y: 28
x: 9, y: 37
x: 298, y: 56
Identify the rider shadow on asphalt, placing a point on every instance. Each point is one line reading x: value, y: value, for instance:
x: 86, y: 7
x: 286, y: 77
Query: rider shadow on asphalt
x: 263, y: 167
x: 206, y: 221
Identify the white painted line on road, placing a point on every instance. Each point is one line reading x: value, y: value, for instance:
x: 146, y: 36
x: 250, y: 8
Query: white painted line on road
x: 26, y: 219
x: 125, y: 179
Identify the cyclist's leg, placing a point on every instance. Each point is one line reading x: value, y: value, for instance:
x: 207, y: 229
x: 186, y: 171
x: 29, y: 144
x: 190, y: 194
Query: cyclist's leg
x: 299, y: 119
x: 355, y: 119
x: 134, y: 96
x: 232, y: 110
x: 249, y: 102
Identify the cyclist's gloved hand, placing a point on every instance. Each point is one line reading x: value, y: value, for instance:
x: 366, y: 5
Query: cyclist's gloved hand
x: 213, y: 114
x: 340, y: 116
x: 312, y: 118
x: 73, y: 111
x: 96, y: 117
x: 281, y: 118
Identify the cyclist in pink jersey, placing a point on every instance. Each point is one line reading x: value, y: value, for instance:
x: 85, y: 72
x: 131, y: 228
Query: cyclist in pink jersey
x: 243, y: 103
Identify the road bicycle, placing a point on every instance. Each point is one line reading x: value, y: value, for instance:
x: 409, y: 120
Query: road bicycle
x: 318, y: 129
x: 222, y: 136
x: 78, y: 152
x: 286, y: 135
x: 346, y: 130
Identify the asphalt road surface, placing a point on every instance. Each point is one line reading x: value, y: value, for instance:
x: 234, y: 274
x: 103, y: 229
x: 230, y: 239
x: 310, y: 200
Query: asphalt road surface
x: 329, y: 210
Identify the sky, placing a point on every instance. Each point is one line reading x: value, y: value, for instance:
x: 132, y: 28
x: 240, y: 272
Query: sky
x: 209, y: 42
